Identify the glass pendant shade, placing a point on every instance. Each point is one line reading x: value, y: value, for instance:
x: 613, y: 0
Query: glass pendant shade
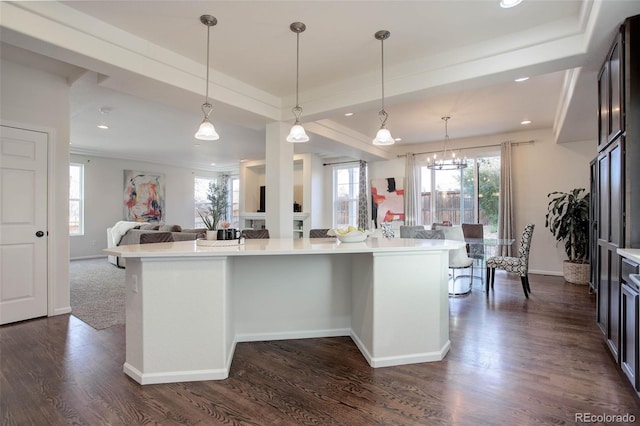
x: 297, y: 134
x: 383, y: 137
x: 207, y: 132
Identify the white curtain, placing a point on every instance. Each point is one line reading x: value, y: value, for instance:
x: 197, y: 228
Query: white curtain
x: 412, y: 208
x: 363, y: 200
x: 505, y: 210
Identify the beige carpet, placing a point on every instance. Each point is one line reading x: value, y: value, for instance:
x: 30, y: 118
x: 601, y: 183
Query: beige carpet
x: 97, y: 292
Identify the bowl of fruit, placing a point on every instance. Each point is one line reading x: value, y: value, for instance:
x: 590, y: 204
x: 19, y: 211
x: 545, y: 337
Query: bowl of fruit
x: 349, y: 235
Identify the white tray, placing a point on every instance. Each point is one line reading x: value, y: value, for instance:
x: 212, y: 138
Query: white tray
x: 216, y: 243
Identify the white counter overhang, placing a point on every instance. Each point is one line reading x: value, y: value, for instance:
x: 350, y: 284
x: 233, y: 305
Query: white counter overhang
x: 629, y: 253
x: 187, y: 305
x: 282, y: 246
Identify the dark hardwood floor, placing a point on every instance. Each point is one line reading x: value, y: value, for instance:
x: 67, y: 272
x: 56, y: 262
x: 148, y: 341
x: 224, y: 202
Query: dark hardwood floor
x: 512, y: 362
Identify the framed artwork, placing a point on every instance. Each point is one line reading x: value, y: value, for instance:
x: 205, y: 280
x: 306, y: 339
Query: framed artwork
x: 143, y: 196
x: 387, y: 200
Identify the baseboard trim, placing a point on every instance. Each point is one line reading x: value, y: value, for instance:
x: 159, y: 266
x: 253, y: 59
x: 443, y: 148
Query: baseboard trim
x: 390, y: 361
x: 174, y: 376
x: 96, y: 256
x: 289, y: 335
x: 543, y: 272
x: 61, y: 311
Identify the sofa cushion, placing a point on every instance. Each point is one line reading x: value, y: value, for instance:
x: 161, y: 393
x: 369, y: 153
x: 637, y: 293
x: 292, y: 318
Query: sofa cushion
x: 170, y: 228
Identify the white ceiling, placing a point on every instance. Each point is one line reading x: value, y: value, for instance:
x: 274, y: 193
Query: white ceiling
x: 146, y: 62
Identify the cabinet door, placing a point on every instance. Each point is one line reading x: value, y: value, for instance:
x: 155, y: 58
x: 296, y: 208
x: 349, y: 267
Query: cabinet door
x: 613, y: 332
x: 615, y: 89
x: 629, y: 334
x: 604, y: 106
x: 603, y: 289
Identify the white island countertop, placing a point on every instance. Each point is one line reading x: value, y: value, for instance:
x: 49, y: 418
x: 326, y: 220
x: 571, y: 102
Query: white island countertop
x: 629, y: 253
x: 282, y: 246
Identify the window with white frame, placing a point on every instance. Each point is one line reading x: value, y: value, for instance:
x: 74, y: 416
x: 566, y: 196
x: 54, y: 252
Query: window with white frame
x: 201, y: 202
x: 346, y: 187
x: 76, y: 199
x: 469, y: 195
x: 234, y: 204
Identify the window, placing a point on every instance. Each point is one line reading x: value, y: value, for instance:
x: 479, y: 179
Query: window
x: 470, y: 195
x: 234, y: 193
x: 200, y: 191
x: 345, y: 195
x: 76, y: 199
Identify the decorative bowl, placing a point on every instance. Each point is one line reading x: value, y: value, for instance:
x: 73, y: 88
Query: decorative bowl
x: 354, y: 236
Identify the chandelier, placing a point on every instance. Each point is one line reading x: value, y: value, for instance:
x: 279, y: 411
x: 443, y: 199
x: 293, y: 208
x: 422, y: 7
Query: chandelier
x: 447, y: 160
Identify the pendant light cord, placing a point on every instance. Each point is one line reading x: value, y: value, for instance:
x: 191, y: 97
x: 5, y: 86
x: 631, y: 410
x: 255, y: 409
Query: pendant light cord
x: 297, y: 66
x: 207, y: 86
x: 382, y: 61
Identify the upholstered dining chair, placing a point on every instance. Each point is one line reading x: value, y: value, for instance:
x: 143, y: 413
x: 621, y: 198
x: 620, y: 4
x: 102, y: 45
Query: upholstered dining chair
x: 320, y: 233
x: 156, y: 237
x: 458, y: 259
x: 429, y: 234
x: 410, y: 231
x: 519, y: 264
x: 255, y: 234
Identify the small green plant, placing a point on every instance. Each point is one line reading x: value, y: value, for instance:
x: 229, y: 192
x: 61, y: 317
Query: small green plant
x: 568, y: 220
x: 218, y: 197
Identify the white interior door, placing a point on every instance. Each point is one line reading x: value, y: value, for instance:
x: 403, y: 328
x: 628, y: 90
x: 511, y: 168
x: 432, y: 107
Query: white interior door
x: 23, y: 224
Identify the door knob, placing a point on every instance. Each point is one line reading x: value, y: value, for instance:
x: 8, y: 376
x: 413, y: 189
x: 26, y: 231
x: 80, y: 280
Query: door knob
x: 39, y: 234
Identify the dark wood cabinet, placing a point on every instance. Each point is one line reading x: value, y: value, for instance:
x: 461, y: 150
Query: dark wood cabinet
x: 615, y: 186
x: 629, y: 322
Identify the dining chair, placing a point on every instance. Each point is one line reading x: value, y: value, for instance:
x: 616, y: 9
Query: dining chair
x: 458, y: 258
x: 429, y: 234
x: 519, y: 264
x: 410, y: 231
x: 156, y: 237
x: 255, y: 234
x: 435, y: 225
x: 320, y: 233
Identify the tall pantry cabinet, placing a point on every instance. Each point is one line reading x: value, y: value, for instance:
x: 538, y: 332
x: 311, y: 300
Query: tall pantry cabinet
x: 615, y: 196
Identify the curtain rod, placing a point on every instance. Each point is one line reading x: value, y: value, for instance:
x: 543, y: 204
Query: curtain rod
x: 341, y: 162
x: 471, y: 147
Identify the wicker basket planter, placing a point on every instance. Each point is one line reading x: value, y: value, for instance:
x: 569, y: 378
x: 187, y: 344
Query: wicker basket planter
x: 576, y: 273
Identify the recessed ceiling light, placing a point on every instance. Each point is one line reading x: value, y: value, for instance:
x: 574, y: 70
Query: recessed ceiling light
x: 348, y: 114
x: 103, y: 126
x: 397, y: 139
x: 505, y: 4
x: 213, y: 164
x: 525, y: 122
x: 521, y: 79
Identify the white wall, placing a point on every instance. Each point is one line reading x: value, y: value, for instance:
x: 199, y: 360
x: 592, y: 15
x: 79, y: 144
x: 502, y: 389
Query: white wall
x: 104, y: 198
x: 37, y: 99
x: 538, y: 169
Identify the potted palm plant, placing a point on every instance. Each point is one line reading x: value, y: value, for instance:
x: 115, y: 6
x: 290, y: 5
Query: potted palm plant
x: 216, y: 210
x: 568, y: 220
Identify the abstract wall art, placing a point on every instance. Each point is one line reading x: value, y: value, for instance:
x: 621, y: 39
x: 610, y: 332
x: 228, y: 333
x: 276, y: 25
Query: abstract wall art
x: 143, y: 196
x: 387, y: 200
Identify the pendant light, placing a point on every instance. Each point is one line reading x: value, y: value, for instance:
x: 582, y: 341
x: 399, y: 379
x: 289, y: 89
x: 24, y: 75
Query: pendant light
x: 383, y: 137
x: 297, y: 133
x: 448, y: 161
x: 206, y: 131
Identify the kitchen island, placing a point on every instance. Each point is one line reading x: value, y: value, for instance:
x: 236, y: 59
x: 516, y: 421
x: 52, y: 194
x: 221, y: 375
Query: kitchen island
x: 188, y: 305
